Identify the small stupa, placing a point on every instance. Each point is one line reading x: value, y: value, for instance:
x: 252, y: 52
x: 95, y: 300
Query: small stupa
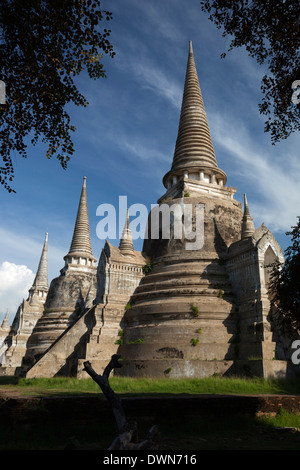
x: 69, y: 292
x: 26, y: 317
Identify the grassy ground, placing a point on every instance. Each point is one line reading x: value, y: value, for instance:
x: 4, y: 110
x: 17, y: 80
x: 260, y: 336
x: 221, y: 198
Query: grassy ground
x: 205, y: 433
x: 180, y: 432
x: 132, y: 386
x: 239, y: 433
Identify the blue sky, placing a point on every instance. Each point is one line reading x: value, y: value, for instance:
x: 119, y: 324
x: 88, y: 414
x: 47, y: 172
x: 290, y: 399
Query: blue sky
x: 125, y: 140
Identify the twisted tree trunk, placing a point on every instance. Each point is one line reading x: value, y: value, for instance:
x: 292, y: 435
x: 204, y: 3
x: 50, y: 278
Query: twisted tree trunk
x: 128, y: 432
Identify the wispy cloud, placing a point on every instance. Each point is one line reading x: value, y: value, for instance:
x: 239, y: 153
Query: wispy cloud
x: 27, y: 250
x: 275, y: 181
x: 161, y: 84
x: 138, y: 148
x: 157, y: 22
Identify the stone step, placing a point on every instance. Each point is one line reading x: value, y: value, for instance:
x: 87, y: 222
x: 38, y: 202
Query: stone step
x: 198, y: 282
x: 198, y: 273
x: 177, y: 292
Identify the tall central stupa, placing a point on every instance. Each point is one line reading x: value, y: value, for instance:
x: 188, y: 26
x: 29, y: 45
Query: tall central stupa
x: 184, y: 308
x: 187, y: 317
x: 194, y: 156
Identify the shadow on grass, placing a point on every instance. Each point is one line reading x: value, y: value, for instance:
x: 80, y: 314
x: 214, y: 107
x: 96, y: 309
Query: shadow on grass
x: 206, y: 433
x: 9, y: 380
x: 86, y: 424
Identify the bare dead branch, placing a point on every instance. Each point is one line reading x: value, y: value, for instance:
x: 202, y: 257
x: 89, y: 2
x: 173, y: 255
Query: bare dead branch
x: 102, y: 381
x: 127, y: 438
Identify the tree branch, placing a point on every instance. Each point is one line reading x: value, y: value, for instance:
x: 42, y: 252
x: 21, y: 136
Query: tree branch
x: 113, y: 399
x: 127, y: 438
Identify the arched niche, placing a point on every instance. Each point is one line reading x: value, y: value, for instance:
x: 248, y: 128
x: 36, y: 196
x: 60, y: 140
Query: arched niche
x: 268, y: 251
x: 270, y: 258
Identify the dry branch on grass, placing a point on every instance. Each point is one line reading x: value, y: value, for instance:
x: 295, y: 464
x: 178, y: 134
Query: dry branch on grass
x: 128, y: 431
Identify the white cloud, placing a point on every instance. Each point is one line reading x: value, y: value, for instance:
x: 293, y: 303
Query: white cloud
x: 17, y: 274
x: 15, y: 280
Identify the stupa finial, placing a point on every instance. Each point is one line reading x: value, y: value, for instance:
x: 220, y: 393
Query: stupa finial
x: 126, y: 243
x: 41, y: 277
x: 194, y: 152
x: 247, y: 224
x: 81, y: 242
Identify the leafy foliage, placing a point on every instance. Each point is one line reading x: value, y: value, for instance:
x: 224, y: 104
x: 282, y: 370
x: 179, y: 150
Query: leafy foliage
x: 147, y: 268
x: 285, y: 283
x: 269, y: 31
x: 44, y: 45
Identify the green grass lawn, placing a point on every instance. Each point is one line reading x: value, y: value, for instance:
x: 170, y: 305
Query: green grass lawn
x: 133, y: 386
x: 178, y: 432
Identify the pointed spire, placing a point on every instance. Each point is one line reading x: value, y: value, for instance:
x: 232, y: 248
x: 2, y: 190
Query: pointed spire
x: 194, y: 150
x: 126, y: 244
x: 247, y: 224
x: 41, y: 277
x: 81, y: 242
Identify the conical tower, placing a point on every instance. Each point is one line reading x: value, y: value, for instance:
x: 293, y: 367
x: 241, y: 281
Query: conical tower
x: 80, y: 253
x: 182, y: 313
x: 27, y: 315
x: 247, y: 224
x: 194, y: 159
x: 126, y: 243
x: 40, y: 285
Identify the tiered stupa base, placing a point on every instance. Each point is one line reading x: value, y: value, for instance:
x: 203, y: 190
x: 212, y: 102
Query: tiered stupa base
x: 186, y: 328
x: 183, y: 321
